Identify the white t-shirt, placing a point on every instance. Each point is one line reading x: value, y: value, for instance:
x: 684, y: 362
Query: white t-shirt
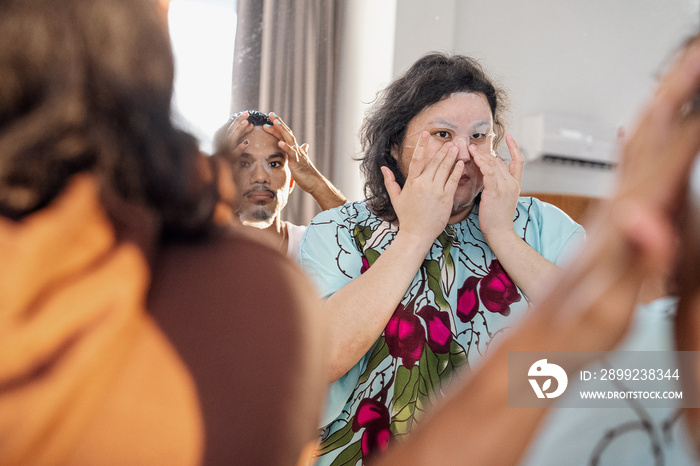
x: 294, y: 234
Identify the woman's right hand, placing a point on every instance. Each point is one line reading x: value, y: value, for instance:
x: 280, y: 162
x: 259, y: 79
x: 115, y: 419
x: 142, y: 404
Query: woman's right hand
x: 424, y: 204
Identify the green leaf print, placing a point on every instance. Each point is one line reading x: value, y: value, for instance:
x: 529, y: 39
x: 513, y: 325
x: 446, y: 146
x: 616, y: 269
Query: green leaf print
x: 432, y: 271
x: 429, y: 365
x: 379, y: 353
x: 406, y: 386
x: 422, y: 400
x: 338, y: 439
x: 349, y: 456
x: 447, y: 271
x: 446, y: 239
x: 361, y: 235
x: 443, y: 363
x: 455, y: 358
x: 371, y: 255
x: 402, y: 422
x: 404, y: 402
x: 428, y: 381
x: 458, y: 356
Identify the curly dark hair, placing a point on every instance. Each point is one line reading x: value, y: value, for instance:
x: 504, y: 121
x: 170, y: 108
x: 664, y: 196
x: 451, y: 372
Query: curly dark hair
x: 86, y: 85
x: 255, y: 117
x: 431, y: 79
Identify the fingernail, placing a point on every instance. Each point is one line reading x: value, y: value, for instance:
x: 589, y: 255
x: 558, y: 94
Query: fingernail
x: 268, y: 125
x: 274, y: 114
x: 278, y: 122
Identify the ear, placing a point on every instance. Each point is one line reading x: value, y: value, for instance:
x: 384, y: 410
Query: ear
x: 395, y: 152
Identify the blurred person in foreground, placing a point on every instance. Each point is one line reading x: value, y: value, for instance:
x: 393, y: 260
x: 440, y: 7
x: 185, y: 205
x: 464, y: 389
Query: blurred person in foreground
x: 120, y: 341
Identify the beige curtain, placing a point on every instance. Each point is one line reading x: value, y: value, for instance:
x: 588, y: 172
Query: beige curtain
x: 245, y: 82
x: 286, y: 61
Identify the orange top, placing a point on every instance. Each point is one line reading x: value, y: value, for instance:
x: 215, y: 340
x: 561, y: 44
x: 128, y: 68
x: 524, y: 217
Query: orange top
x: 86, y: 377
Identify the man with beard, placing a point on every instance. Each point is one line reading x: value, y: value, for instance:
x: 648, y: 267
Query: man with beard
x: 266, y: 162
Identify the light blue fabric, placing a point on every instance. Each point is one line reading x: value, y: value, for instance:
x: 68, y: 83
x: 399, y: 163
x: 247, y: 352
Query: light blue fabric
x: 630, y: 436
x: 460, y: 301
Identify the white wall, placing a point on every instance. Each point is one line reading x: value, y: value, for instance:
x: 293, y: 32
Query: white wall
x: 366, y: 68
x: 423, y: 26
x: 597, y: 59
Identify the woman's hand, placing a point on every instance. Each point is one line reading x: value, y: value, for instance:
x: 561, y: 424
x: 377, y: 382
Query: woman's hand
x: 424, y: 204
x: 501, y: 190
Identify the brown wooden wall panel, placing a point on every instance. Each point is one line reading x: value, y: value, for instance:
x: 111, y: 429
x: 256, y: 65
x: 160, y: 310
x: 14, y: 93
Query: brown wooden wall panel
x: 576, y: 206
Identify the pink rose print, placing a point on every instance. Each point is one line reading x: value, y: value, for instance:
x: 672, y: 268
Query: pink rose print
x: 467, y: 300
x: 438, y: 325
x: 373, y: 416
x: 365, y: 265
x: 497, y: 291
x: 405, y: 336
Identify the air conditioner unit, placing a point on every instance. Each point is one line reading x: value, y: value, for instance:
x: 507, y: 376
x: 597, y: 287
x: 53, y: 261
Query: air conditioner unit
x: 568, y: 138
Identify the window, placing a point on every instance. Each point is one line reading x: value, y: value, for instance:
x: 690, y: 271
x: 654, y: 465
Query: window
x: 202, y: 34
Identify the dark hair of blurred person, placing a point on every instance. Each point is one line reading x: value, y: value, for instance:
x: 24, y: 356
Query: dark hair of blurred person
x: 95, y: 97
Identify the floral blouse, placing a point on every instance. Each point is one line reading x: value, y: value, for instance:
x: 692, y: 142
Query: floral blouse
x: 460, y: 301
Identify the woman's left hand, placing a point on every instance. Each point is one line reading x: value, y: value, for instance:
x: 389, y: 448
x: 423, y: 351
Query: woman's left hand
x: 501, y: 189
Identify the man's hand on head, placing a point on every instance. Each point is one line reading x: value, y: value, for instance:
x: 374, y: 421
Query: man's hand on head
x: 236, y: 133
x: 303, y: 170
